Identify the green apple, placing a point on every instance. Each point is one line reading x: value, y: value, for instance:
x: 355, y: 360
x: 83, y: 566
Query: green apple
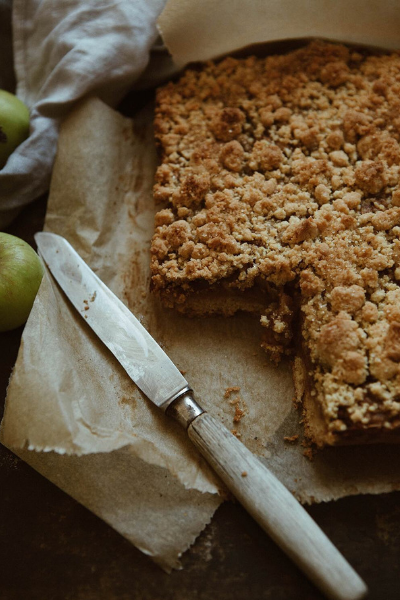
x: 14, y: 124
x: 21, y: 272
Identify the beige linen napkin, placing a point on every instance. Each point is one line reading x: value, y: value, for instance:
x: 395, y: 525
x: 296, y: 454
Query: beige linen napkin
x: 64, y: 51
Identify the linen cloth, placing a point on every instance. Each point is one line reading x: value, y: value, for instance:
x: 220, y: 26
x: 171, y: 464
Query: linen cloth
x: 63, y: 51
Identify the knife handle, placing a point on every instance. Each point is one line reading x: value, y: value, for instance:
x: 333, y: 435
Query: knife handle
x: 270, y: 503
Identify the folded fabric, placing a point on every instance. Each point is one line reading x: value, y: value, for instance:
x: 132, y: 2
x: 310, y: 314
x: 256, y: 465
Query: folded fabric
x: 64, y: 51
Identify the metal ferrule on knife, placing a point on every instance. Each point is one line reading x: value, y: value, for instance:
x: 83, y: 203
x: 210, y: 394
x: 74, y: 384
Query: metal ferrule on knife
x: 183, y: 408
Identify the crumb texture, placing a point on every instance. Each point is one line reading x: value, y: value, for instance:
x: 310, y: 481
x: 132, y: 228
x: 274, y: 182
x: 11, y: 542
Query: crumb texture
x: 282, y: 174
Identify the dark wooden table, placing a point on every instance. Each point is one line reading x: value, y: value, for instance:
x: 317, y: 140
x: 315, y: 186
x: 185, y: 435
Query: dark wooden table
x: 52, y: 548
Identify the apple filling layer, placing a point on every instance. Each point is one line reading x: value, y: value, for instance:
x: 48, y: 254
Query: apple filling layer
x: 279, y: 180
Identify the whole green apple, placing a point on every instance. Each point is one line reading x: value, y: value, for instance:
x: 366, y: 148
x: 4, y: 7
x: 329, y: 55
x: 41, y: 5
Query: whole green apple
x: 14, y: 124
x: 21, y: 272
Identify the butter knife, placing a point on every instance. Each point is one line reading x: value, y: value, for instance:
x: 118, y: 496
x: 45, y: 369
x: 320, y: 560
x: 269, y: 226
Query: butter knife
x: 255, y: 487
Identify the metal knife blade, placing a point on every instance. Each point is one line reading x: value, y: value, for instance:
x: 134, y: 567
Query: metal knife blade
x: 258, y: 490
x: 142, y: 358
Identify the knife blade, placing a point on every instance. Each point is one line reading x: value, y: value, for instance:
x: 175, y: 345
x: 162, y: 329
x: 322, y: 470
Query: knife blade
x: 258, y: 490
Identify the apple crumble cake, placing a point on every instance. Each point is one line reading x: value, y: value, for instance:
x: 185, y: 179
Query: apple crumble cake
x: 279, y: 180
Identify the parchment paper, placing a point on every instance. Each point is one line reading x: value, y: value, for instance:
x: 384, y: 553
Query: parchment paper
x: 72, y: 412
x: 198, y: 31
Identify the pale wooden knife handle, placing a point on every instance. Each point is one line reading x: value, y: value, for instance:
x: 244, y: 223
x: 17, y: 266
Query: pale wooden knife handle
x: 276, y: 510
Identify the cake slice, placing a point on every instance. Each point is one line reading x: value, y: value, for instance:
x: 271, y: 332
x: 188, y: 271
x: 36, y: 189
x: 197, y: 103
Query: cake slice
x: 279, y: 185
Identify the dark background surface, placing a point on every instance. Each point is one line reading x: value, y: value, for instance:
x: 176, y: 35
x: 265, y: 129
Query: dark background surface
x: 52, y: 548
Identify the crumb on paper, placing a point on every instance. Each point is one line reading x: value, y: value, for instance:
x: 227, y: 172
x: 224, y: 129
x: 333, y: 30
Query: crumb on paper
x: 231, y: 390
x: 237, y: 402
x: 239, y: 414
x: 308, y: 453
x: 244, y: 474
x: 310, y: 449
x: 291, y: 438
x: 236, y: 433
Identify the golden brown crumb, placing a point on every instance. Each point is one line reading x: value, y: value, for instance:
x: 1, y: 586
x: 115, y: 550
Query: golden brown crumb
x: 291, y: 439
x: 239, y: 414
x: 308, y: 453
x: 231, y: 390
x: 282, y: 177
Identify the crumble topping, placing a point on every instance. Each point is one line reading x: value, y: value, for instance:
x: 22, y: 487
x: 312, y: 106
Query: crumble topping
x: 282, y: 174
